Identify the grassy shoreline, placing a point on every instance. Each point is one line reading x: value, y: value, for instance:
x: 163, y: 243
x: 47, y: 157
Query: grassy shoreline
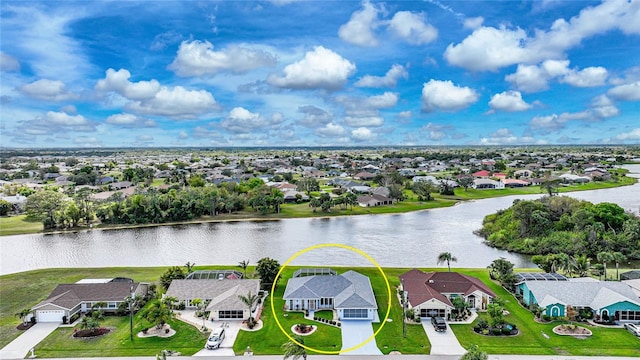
x: 20, y: 225
x: 28, y: 288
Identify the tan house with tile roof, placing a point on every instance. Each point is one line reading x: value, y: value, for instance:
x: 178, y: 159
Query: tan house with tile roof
x: 431, y: 293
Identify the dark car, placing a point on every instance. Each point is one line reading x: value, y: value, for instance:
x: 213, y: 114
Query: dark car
x: 438, y: 323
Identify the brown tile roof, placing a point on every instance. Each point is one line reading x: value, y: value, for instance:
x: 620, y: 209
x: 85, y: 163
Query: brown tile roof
x: 422, y: 286
x: 70, y: 295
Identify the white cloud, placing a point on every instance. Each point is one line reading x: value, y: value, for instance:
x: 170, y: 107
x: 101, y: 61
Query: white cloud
x: 48, y: 90
x: 8, y: 62
x: 508, y: 101
x: 64, y: 119
x: 314, y: 116
x: 412, y: 28
x: 197, y: 58
x: 362, y: 134
x: 626, y: 92
x: 145, y: 139
x: 587, y: 77
x: 390, y: 79
x: 161, y: 41
x: 533, y: 78
x: 629, y: 136
x: 176, y: 103
x: 54, y: 122
x: 330, y: 130
x: 473, y: 23
x: 183, y: 135
x: 150, y: 98
x: 358, y: 119
x: 603, y: 107
x: 87, y: 141
x: 359, y: 29
x: 243, y: 121
x: 129, y: 121
x: 365, y: 111
x: 504, y: 136
x: 118, y: 81
x: 445, y: 96
x: 319, y: 69
x: 489, y: 48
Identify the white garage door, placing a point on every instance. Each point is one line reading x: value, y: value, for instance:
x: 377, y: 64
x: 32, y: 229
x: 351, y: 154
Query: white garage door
x: 49, y: 315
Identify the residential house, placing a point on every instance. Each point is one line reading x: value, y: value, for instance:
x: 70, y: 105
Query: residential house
x: 487, y: 184
x: 67, y: 300
x: 374, y: 200
x: 221, y: 295
x: 607, y: 299
x: 628, y: 275
x: 350, y: 294
x: 431, y: 294
x: 482, y: 174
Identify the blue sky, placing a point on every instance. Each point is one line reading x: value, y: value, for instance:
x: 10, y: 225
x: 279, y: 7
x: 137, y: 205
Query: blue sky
x: 319, y: 73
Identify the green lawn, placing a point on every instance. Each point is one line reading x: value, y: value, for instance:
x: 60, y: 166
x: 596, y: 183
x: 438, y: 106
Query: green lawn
x: 27, y: 289
x: 187, y: 340
x: 19, y: 224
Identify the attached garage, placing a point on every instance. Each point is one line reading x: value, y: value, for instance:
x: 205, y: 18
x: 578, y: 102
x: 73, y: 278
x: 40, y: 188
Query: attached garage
x: 231, y: 314
x: 433, y: 312
x: 49, y: 316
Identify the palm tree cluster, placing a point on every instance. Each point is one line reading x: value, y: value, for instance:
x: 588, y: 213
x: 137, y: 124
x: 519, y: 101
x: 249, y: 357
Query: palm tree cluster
x: 325, y: 202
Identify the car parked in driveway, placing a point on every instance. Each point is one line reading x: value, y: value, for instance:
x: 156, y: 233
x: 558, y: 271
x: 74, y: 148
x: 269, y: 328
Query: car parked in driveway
x: 438, y: 323
x: 632, y: 328
x: 215, y: 339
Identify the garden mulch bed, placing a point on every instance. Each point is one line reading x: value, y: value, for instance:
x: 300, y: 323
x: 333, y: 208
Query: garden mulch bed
x: 88, y: 334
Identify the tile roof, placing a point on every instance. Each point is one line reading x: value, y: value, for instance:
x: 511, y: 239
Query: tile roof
x: 423, y: 286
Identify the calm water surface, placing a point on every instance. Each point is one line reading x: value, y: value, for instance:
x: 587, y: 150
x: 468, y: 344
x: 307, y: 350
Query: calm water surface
x: 402, y: 240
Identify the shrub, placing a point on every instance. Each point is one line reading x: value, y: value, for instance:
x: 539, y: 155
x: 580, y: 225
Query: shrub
x: 506, y: 331
x: 496, y: 331
x: 144, y: 331
x: 483, y: 324
x: 485, y: 331
x: 166, y: 331
x: 546, y: 317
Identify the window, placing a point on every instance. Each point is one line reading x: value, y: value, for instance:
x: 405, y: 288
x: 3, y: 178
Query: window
x: 626, y: 315
x: 230, y: 314
x: 354, y: 313
x: 112, y: 305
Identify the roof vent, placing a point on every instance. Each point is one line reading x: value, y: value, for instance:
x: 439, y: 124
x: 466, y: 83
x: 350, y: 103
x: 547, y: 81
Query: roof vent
x: 431, y: 281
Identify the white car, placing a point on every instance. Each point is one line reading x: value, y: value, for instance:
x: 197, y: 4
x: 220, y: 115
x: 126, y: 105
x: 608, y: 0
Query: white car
x: 632, y: 328
x: 215, y: 339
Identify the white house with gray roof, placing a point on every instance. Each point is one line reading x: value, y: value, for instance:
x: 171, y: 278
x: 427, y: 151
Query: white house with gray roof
x: 221, y: 295
x: 350, y: 294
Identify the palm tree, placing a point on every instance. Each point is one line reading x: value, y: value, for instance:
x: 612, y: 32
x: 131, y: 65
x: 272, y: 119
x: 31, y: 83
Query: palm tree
x: 250, y: 300
x: 243, y: 265
x: 581, y: 265
x: 294, y: 349
x: 23, y: 315
x: 618, y: 257
x: 604, y: 257
x: 158, y: 313
x: 189, y: 265
x: 446, y: 256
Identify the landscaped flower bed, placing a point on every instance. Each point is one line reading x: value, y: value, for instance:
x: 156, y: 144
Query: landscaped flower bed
x: 505, y: 329
x: 572, y: 330
x: 88, y: 333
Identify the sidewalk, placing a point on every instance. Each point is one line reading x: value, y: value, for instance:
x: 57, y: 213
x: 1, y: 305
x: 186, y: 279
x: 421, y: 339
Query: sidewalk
x: 382, y: 357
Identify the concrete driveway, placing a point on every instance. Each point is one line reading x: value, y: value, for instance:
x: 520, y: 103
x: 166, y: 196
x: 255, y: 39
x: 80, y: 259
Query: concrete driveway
x: 21, y: 346
x: 232, y: 329
x: 443, y: 342
x: 355, y: 333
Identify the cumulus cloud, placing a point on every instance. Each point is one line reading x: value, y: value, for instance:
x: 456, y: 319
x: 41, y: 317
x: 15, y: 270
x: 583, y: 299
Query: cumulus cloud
x: 436, y: 132
x: 365, y: 111
x: 473, y: 23
x: 144, y: 139
x: 412, y: 28
x: 47, y: 90
x: 601, y: 108
x: 118, y: 81
x: 359, y: 30
x: 319, y: 69
x: 331, y: 130
x: 130, y: 121
x: 176, y: 103
x: 55, y: 122
x: 150, y: 98
x: 504, y: 136
x: 490, y: 48
x: 632, y: 135
x: 390, y: 79
x: 533, y: 78
x: 445, y: 96
x: 8, y: 62
x: 314, y: 116
x: 626, y: 92
x: 362, y: 134
x: 508, y: 101
x: 243, y: 121
x: 197, y: 58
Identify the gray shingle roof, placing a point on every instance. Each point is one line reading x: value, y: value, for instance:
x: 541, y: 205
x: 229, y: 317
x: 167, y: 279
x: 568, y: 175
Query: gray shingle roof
x: 350, y: 290
x: 223, y: 293
x: 578, y: 293
x: 69, y: 295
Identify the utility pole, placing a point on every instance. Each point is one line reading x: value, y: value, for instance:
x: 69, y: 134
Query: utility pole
x: 404, y: 311
x: 130, y: 301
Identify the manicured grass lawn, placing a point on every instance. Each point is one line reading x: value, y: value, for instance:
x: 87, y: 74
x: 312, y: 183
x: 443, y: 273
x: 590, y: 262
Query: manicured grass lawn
x: 187, y: 340
x: 21, y: 290
x: 13, y: 225
x: 612, y: 342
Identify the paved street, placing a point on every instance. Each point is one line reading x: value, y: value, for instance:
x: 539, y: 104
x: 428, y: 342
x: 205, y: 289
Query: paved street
x: 386, y: 357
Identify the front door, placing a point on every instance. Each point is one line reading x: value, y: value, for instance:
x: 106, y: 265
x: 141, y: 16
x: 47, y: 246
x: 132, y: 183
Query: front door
x: 472, y: 301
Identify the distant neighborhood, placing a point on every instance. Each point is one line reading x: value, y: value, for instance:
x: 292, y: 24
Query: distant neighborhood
x: 99, y: 186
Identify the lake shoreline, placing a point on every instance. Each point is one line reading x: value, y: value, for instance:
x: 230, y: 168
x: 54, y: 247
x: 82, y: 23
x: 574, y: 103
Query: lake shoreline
x: 252, y: 218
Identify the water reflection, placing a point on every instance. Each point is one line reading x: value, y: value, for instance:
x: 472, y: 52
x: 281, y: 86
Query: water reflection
x: 407, y: 240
